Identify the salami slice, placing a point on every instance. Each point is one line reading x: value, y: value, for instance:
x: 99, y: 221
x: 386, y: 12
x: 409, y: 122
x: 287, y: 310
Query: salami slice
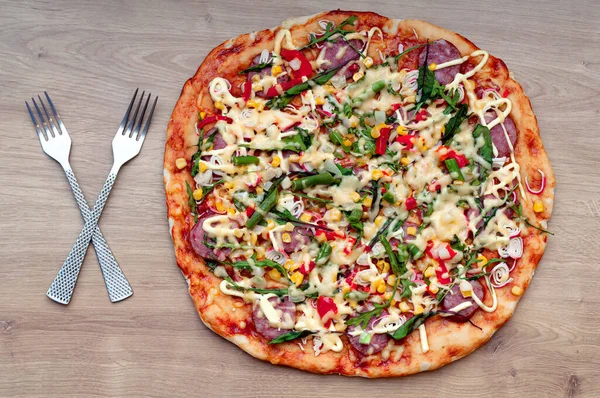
x: 261, y: 323
x: 339, y: 53
x: 265, y: 72
x: 441, y: 51
x: 377, y: 343
x: 497, y: 133
x: 219, y: 142
x: 455, y: 297
x: 299, y: 238
x: 198, y: 236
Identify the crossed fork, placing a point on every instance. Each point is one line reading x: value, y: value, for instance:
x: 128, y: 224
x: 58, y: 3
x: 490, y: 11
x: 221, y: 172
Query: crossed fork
x: 56, y: 143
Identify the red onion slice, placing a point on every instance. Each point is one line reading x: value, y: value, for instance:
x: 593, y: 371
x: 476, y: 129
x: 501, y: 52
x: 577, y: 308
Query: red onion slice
x: 542, y: 185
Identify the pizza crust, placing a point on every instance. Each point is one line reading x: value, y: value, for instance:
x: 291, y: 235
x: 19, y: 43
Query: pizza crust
x: 231, y: 318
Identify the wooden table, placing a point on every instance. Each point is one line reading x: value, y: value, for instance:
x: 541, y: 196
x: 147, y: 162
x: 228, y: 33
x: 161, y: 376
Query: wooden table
x: 91, y: 55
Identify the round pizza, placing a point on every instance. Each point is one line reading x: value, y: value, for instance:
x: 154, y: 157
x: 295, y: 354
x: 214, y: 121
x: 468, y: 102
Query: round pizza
x: 353, y: 194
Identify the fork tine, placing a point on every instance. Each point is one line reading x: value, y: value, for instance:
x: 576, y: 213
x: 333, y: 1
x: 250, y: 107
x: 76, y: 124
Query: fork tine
x: 126, y: 117
x: 142, y: 135
x: 35, y: 123
x: 136, y: 130
x: 46, y: 129
x: 132, y: 119
x: 49, y: 118
x: 62, y: 127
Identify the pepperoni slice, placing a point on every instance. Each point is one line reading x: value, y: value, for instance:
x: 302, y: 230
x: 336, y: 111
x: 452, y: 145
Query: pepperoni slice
x: 378, y: 340
x: 198, y: 235
x: 455, y: 297
x: 441, y: 51
x: 497, y: 133
x: 261, y: 323
x: 339, y: 53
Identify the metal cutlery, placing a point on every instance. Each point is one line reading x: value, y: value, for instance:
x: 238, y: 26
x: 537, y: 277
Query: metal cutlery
x: 56, y: 143
x: 126, y: 145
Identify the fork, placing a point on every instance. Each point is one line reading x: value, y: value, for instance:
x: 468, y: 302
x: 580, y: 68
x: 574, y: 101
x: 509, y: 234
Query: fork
x: 126, y: 145
x: 57, y: 144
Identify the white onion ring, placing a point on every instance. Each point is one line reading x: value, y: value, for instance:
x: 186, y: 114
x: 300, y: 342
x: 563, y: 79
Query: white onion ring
x: 514, y: 232
x: 500, y: 275
x: 295, y: 64
x: 514, y: 249
x: 203, y: 179
x: 542, y: 185
x: 411, y: 81
x: 216, y: 160
x: 265, y: 56
x: 277, y: 256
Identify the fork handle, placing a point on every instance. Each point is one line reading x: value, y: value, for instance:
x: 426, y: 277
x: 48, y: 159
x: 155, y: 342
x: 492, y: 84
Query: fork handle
x: 117, y: 285
x: 61, y: 289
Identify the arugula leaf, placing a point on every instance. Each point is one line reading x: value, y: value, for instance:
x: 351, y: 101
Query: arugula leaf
x: 235, y: 286
x: 453, y: 125
x: 406, y: 285
x: 363, y: 318
x: 245, y: 265
x: 403, y: 53
x: 487, y: 151
x: 409, y: 326
x: 284, y: 99
x: 294, y: 143
x: 256, y: 68
x: 538, y: 228
x: 330, y: 31
x: 192, y: 201
x: 383, y: 228
x: 293, y: 335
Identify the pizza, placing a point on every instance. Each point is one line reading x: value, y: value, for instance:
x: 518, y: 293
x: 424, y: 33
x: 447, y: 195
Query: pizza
x: 353, y: 194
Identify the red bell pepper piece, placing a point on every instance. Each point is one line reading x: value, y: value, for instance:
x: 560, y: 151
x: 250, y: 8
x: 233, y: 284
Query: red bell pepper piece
x: 247, y: 90
x: 406, y: 140
x: 442, y: 273
x: 326, y: 307
x: 382, y: 140
x: 212, y: 119
x: 395, y: 107
x: 305, y: 68
x: 410, y: 203
x: 461, y: 160
x: 274, y: 92
x: 349, y: 245
x: 421, y: 115
x: 249, y: 211
x: 505, y: 93
x: 331, y: 235
x: 306, y: 268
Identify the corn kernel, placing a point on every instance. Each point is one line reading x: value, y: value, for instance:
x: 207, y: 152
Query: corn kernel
x: 238, y: 233
x: 357, y: 76
x: 393, y: 302
x: 538, y: 206
x: 375, y: 133
x: 276, y: 70
x: 481, y: 260
x: 276, y: 161
x: 305, y: 217
x: 347, y: 142
x: 335, y: 214
x: 260, y: 190
x: 404, y: 161
x: 297, y: 278
x: 319, y: 101
x: 410, y: 99
x: 391, y: 280
x: 457, y: 182
x: 387, y: 296
x: 253, y: 104
x: 368, y: 201
x: 346, y: 289
x: 432, y: 66
x: 353, y: 303
x: 289, y: 263
x: 429, y: 272
x: 270, y: 224
x: 231, y: 212
x: 383, y: 265
x: 379, y: 286
x: 355, y: 196
x: 253, y: 238
x: 260, y: 252
x: 321, y: 238
x: 340, y: 327
x: 202, y: 167
x: 418, y: 310
x: 202, y: 115
x: 329, y: 88
x: 469, y: 84
x: 228, y: 184
x: 376, y: 174
x: 219, y: 105
x: 257, y: 87
x: 434, y: 288
x: 443, y: 129
x: 517, y: 291
x: 219, y: 206
x: 274, y: 274
x: 401, y: 130
x: 378, y: 220
x: 411, y: 231
x: 286, y: 237
x: 353, y: 121
x: 197, y: 194
x: 368, y: 61
x: 404, y: 306
x: 181, y: 163
x: 288, y: 226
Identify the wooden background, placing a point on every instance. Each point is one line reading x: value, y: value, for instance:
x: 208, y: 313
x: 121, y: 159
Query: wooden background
x: 91, y: 55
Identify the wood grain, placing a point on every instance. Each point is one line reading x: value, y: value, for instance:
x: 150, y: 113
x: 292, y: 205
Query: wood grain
x: 90, y: 56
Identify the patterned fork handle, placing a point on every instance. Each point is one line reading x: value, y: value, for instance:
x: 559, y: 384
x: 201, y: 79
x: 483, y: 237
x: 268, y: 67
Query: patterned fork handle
x: 117, y: 285
x: 62, y: 288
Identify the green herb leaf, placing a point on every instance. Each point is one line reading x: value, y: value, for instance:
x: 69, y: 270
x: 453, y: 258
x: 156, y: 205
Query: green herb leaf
x: 330, y: 31
x: 453, y: 125
x: 409, y: 326
x: 293, y: 335
x: 191, y: 201
x: 256, y: 68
